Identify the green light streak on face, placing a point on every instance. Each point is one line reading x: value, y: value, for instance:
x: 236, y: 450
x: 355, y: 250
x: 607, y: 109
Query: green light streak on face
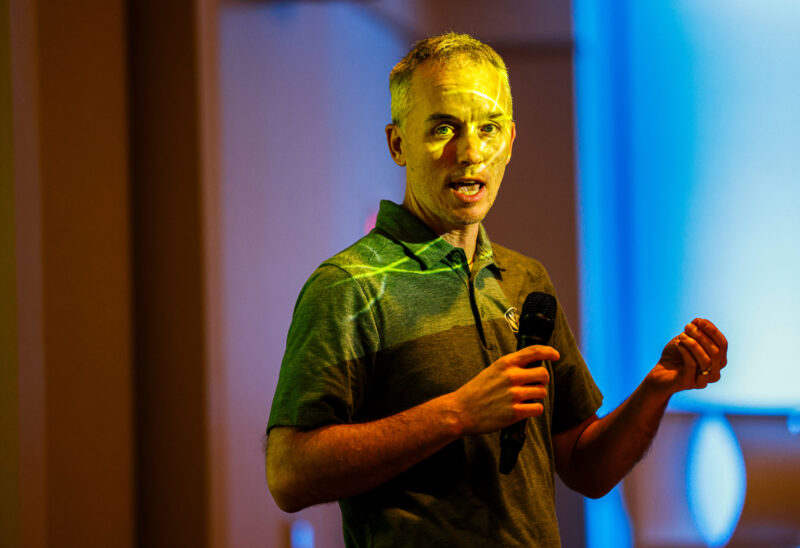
x: 458, y: 128
x: 495, y: 102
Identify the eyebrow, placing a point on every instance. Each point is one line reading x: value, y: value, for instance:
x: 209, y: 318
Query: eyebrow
x: 438, y: 116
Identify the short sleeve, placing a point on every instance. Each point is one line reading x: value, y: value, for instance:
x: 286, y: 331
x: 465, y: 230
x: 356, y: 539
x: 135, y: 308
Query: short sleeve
x: 330, y: 353
x: 576, y: 395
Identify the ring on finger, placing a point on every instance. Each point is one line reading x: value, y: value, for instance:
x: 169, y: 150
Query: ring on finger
x: 705, y: 371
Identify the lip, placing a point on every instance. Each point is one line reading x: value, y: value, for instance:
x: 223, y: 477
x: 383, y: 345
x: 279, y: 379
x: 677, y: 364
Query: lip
x: 468, y: 180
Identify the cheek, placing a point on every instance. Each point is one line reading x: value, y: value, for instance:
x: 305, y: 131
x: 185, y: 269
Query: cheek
x: 437, y: 150
x: 496, y: 152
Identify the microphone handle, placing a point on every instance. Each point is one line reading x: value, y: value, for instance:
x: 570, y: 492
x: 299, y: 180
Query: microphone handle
x: 512, y: 437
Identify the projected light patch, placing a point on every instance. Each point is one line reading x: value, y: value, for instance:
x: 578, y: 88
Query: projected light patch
x: 743, y: 203
x: 369, y: 222
x: 397, y: 268
x: 716, y: 479
x: 460, y: 113
x: 793, y: 422
x: 370, y: 271
x: 302, y: 534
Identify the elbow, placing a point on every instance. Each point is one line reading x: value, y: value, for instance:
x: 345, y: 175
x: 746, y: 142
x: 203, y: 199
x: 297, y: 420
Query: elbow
x: 284, y: 495
x: 596, y: 491
x: 283, y: 486
x: 286, y: 503
x: 597, y: 487
x: 593, y: 488
x: 284, y: 490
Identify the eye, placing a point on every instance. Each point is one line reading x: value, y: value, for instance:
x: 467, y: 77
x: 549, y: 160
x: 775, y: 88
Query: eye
x: 490, y: 128
x: 443, y: 130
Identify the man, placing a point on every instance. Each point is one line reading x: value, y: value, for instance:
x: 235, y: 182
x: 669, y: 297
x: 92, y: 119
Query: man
x: 400, y: 368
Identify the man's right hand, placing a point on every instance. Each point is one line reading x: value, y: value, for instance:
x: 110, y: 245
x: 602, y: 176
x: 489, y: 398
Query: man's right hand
x: 501, y: 394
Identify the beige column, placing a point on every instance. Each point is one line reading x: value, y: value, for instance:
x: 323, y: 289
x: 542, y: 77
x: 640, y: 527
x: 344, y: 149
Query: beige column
x: 67, y: 369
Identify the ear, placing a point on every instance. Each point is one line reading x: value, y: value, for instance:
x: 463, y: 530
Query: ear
x: 511, y: 142
x: 394, y: 139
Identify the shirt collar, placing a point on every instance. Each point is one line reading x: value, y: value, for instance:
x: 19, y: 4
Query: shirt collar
x: 421, y: 242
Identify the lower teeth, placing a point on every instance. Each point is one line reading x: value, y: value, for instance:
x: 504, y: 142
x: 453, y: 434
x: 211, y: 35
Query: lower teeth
x: 469, y: 190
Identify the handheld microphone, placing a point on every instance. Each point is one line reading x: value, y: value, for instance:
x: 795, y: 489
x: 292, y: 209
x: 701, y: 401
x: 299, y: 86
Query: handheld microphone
x: 535, y: 327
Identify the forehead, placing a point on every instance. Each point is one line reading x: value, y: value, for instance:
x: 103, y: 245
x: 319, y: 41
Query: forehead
x: 459, y: 84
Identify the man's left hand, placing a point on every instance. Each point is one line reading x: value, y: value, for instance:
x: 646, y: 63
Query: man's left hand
x: 693, y: 359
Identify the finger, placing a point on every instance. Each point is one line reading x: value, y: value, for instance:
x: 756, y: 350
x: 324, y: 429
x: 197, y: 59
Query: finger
x: 712, y: 377
x: 527, y: 410
x: 690, y: 373
x: 701, y: 358
x: 528, y: 393
x: 689, y: 368
x: 529, y: 375
x: 716, y: 335
x: 688, y: 359
x: 533, y: 353
x: 709, y: 346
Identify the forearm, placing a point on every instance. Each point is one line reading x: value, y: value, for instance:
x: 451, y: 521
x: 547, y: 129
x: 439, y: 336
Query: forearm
x: 606, y: 450
x: 339, y: 461
x: 609, y: 447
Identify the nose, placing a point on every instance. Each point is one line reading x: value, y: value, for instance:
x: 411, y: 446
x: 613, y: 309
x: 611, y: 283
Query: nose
x: 469, y: 149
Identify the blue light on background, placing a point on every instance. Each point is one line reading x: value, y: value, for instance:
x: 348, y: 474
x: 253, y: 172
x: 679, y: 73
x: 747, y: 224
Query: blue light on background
x: 717, y: 480
x: 302, y: 534
x: 688, y: 123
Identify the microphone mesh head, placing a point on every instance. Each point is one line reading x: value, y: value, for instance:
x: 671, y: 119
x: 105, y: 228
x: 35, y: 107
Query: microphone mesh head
x: 538, y: 317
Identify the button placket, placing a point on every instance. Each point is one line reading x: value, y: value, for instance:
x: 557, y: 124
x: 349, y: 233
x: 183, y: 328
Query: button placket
x: 457, y: 261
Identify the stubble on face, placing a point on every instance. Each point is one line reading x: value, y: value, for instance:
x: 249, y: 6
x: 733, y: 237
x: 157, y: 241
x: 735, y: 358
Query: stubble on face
x: 457, y: 141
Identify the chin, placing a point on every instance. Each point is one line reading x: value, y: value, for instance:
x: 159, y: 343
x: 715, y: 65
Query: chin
x: 467, y: 220
x: 475, y: 215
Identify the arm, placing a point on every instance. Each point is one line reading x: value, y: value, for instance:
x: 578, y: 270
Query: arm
x: 595, y: 455
x: 339, y: 461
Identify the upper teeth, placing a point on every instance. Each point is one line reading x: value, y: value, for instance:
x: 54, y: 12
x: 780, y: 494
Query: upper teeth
x: 468, y: 189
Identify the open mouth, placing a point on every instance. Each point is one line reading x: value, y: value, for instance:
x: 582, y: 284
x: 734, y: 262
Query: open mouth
x: 467, y: 188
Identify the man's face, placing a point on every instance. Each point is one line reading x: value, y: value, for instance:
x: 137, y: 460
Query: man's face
x: 455, y: 143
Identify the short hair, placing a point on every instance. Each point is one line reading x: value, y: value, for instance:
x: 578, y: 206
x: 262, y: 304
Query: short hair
x: 442, y: 48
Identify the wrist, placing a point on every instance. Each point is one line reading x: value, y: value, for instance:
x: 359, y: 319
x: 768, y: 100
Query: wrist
x: 655, y: 390
x: 452, y: 415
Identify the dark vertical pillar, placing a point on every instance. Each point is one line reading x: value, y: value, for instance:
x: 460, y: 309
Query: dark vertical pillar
x: 9, y: 378
x: 169, y: 311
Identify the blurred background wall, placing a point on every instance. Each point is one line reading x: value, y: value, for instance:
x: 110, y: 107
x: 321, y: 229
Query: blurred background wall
x: 173, y: 171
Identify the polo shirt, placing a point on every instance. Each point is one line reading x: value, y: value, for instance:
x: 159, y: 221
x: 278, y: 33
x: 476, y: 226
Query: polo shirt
x: 397, y: 319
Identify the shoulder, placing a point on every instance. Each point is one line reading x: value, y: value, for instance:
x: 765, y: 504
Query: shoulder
x: 371, y: 251
x: 349, y: 275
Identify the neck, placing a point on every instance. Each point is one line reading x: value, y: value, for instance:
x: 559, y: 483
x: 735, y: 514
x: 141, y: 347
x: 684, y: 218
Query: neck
x: 465, y: 237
